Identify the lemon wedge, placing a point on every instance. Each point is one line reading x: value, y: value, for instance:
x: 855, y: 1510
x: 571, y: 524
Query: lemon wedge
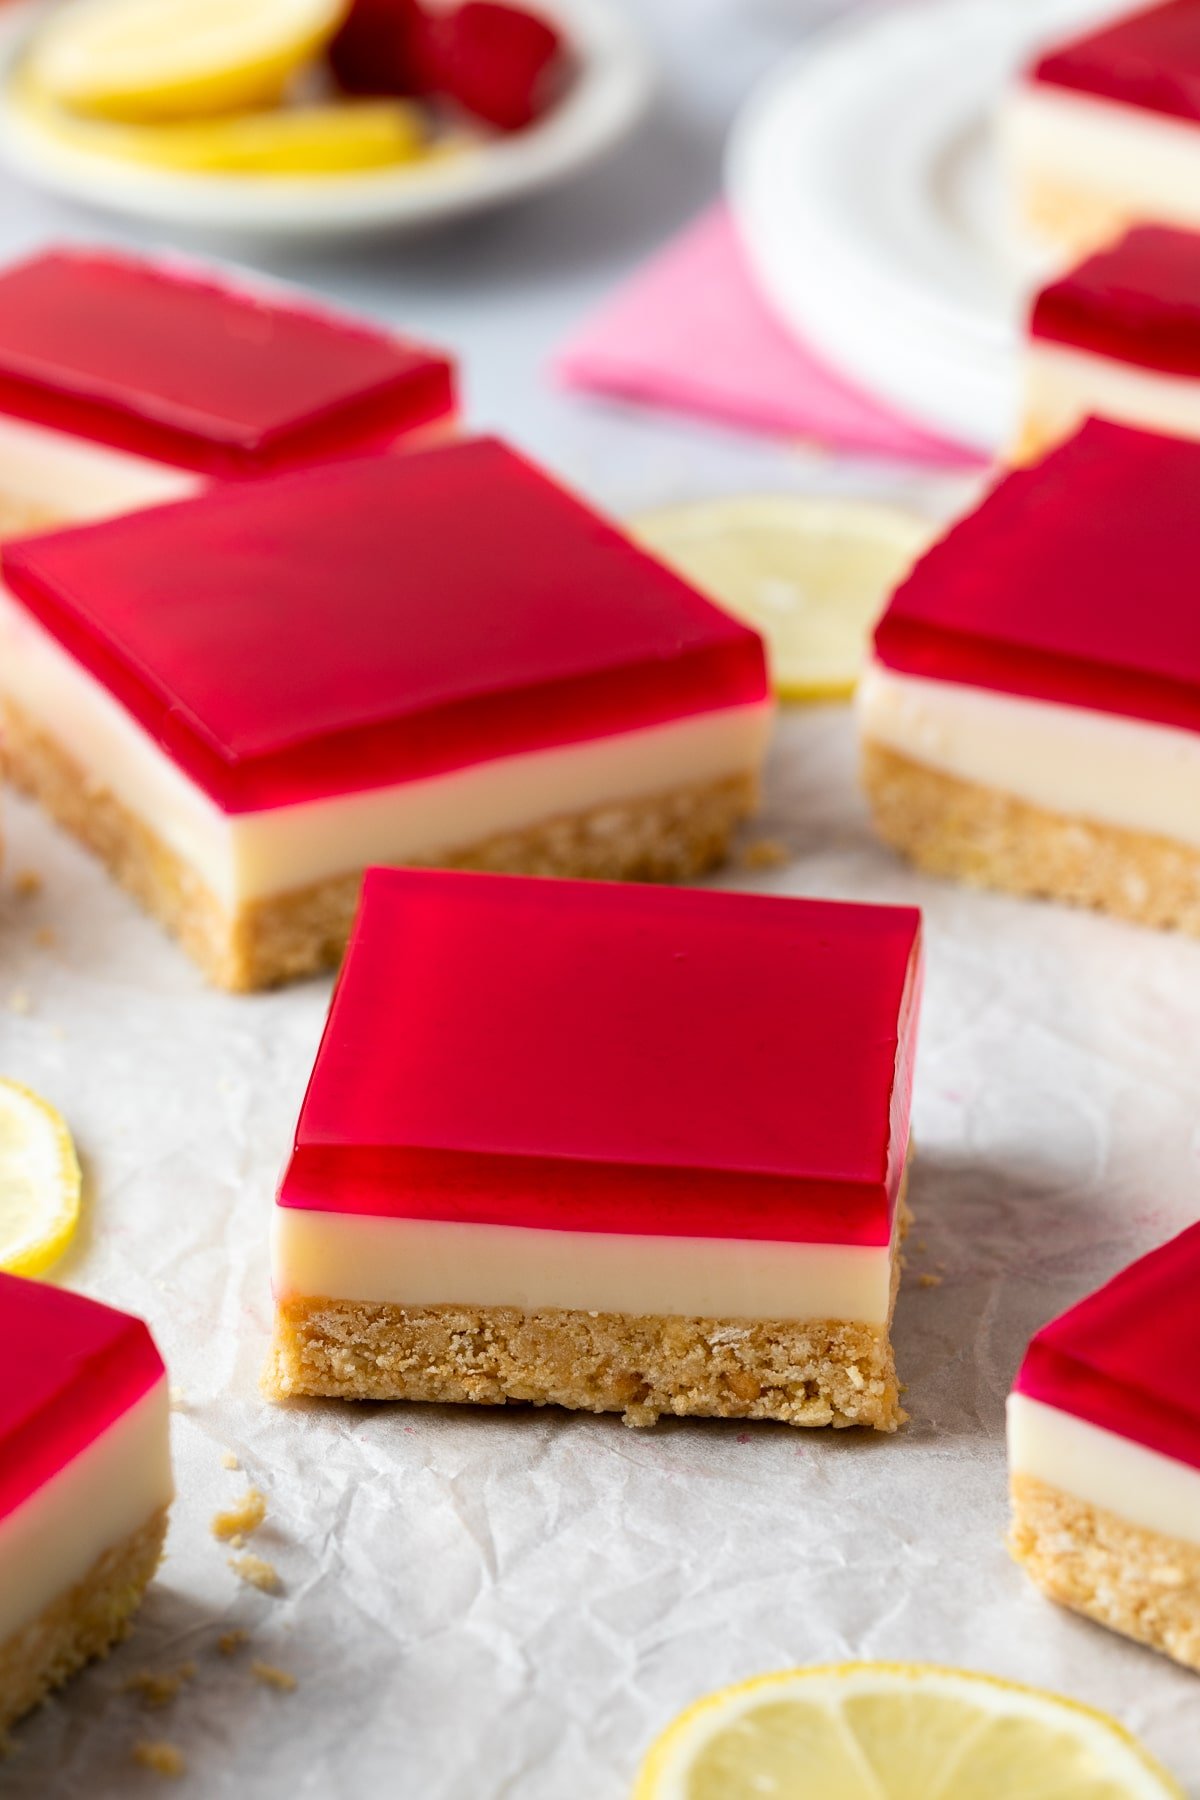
x: 302, y: 140
x: 811, y: 575
x: 40, y: 1182
x: 143, y: 60
x: 896, y: 1731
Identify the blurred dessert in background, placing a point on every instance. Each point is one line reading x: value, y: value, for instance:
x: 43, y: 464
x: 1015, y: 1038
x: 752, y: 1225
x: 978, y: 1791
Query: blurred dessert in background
x: 1104, y: 130
x: 1118, y: 337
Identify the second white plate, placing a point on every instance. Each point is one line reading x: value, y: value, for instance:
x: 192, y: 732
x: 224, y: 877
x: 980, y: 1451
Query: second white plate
x: 865, y: 179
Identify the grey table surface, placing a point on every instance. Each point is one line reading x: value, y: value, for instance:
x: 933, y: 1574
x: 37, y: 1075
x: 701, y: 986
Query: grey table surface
x: 480, y: 1606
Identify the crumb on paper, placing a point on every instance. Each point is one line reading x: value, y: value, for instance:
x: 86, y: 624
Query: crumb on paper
x: 27, y: 883
x: 230, y: 1642
x: 281, y: 1679
x: 176, y: 1395
x: 229, y: 1460
x: 45, y: 937
x: 158, y: 1687
x: 929, y: 1281
x: 764, y: 853
x: 159, y: 1756
x: 256, y: 1572
x: 245, y: 1516
x: 19, y: 1001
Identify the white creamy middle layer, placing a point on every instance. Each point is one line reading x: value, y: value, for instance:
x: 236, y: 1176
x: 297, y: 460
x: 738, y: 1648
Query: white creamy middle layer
x: 1064, y: 386
x: 421, y: 1262
x: 244, y: 857
x: 1094, y: 766
x: 1103, y: 1469
x: 105, y: 1494
x: 1145, y: 163
x: 73, y: 479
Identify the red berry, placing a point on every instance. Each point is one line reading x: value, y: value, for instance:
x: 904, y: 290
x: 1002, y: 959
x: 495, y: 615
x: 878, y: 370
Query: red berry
x: 497, y: 62
x: 379, y: 48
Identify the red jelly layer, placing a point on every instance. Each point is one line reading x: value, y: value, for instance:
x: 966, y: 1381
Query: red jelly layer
x: 1073, y: 582
x: 1125, y: 1358
x: 72, y: 1368
x: 379, y: 620
x: 1150, y: 58
x: 1138, y: 302
x: 182, y: 367
x: 587, y: 1057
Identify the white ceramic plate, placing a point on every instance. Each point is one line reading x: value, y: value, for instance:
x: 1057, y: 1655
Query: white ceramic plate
x: 612, y: 86
x: 866, y: 181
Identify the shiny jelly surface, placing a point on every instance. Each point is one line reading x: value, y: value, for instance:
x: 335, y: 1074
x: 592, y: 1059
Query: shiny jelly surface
x: 72, y: 1368
x: 186, y: 368
x: 1073, y: 582
x: 1125, y: 1358
x: 1149, y: 58
x: 1136, y: 302
x: 379, y: 620
x: 595, y: 1057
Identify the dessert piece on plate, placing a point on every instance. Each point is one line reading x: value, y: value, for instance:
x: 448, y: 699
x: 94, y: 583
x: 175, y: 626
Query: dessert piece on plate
x: 1104, y: 130
x: 85, y: 1483
x: 1031, y: 716
x: 126, y: 383
x: 1118, y: 338
x: 240, y: 701
x: 1104, y: 1454
x: 616, y: 1148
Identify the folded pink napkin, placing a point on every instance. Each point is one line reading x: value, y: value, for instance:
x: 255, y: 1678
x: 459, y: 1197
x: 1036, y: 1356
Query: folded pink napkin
x: 690, y: 333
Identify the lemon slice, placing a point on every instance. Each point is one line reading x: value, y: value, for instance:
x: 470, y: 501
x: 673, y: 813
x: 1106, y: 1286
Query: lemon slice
x: 172, y: 59
x: 811, y: 575
x: 896, y: 1731
x: 39, y: 1182
x: 303, y: 140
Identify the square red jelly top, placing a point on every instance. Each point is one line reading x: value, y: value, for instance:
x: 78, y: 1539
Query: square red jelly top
x: 71, y: 1368
x: 1149, y: 58
x: 379, y: 620
x: 1138, y: 302
x: 1072, y: 583
x: 192, y: 370
x: 595, y: 1057
x: 1125, y: 1358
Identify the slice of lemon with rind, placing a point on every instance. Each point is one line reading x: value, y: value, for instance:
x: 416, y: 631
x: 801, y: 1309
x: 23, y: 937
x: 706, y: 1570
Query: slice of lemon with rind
x: 896, y: 1731
x: 292, y: 141
x: 812, y: 575
x: 142, y: 60
x: 40, y: 1182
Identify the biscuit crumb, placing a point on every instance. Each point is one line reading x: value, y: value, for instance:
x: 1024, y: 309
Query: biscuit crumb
x: 929, y: 1281
x: 230, y: 1642
x: 159, y: 1687
x: 19, y: 1001
x: 240, y: 1520
x: 229, y: 1460
x: 161, y: 1757
x: 764, y: 853
x: 256, y: 1572
x: 176, y: 1395
x: 27, y: 883
x: 921, y: 1247
x: 270, y: 1676
x: 45, y: 937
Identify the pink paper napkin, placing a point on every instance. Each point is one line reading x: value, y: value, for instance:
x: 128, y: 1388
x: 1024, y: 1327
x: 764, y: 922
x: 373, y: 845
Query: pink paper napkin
x: 690, y: 333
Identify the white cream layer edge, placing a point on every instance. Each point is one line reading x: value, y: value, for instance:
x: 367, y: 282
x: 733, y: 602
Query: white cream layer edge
x: 101, y: 1497
x: 421, y: 1262
x: 73, y: 479
x: 1064, y: 386
x: 244, y: 857
x: 1092, y: 766
x: 1103, y: 1469
x: 1142, y: 161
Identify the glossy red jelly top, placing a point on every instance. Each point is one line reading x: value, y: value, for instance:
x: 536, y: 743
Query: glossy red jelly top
x: 1125, y: 1358
x: 1148, y: 58
x: 589, y: 1057
x: 1072, y: 582
x: 184, y: 367
x: 378, y: 620
x: 71, y: 1368
x: 1137, y: 302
